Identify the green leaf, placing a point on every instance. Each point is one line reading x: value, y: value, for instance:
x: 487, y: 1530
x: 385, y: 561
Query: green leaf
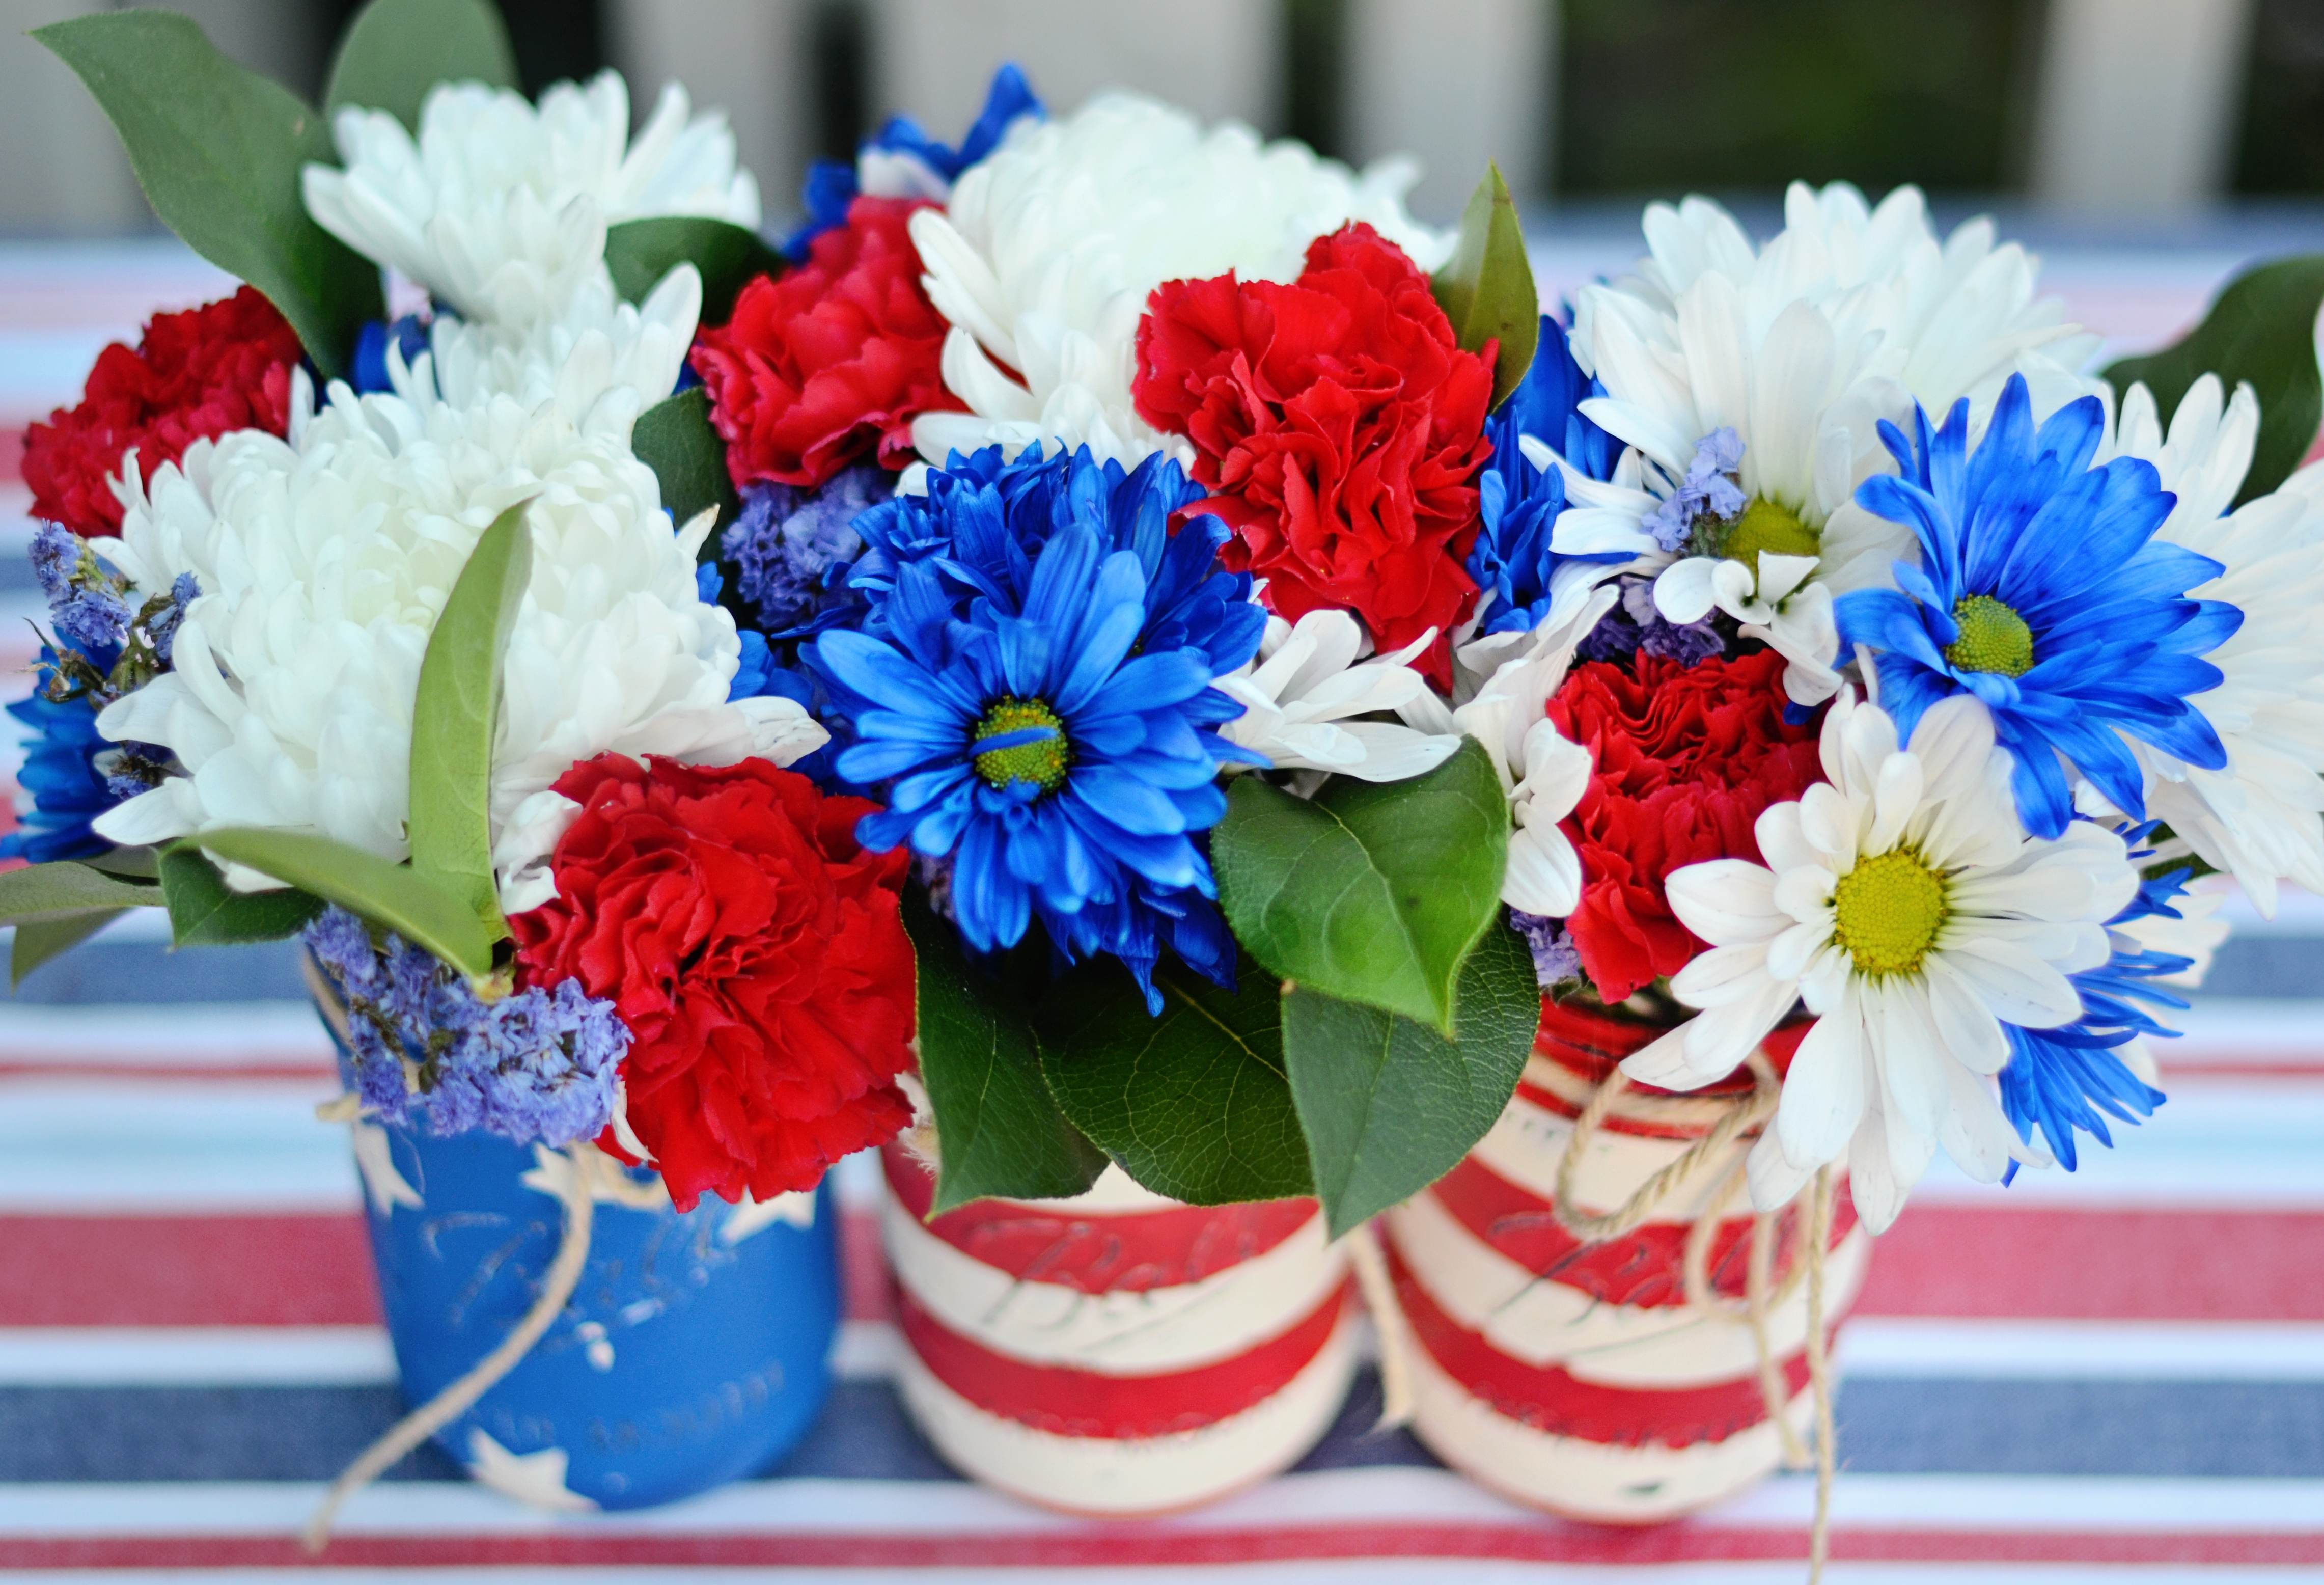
x: 1486, y: 289
x: 639, y: 252
x: 1390, y: 1106
x: 674, y: 437
x: 395, y: 50
x: 1193, y: 1103
x: 1370, y: 893
x: 998, y: 1131
x: 136, y: 864
x: 37, y: 942
x: 2262, y: 329
x: 205, y: 912
x: 218, y: 149
x: 40, y: 894
x: 454, y: 713
x: 424, y: 911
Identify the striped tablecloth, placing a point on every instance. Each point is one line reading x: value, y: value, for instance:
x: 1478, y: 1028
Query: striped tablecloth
x: 2050, y: 1382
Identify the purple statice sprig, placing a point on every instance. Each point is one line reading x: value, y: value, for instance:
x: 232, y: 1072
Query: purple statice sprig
x: 1634, y: 627
x: 104, y: 647
x: 539, y: 1064
x: 1556, y: 958
x: 792, y: 547
x: 1711, y: 489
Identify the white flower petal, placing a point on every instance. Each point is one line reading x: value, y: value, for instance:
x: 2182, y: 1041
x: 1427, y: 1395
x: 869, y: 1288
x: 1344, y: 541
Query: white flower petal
x: 1726, y: 901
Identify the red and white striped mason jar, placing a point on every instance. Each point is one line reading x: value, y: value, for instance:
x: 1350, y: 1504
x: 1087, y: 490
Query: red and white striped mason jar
x: 1575, y: 1376
x: 1118, y: 1353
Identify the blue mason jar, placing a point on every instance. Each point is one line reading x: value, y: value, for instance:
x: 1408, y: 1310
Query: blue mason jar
x: 693, y: 1352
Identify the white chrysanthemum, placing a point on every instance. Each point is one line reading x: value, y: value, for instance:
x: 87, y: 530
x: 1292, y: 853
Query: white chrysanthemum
x: 323, y: 563
x: 1300, y: 693
x: 2262, y: 818
x: 603, y: 361
x: 1849, y: 315
x: 1044, y: 258
x: 500, y: 208
x: 1902, y: 902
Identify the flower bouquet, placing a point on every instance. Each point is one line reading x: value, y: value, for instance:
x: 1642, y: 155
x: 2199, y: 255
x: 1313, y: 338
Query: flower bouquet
x: 1179, y: 703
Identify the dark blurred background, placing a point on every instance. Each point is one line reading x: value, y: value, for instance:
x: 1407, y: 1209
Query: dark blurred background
x: 2141, y: 110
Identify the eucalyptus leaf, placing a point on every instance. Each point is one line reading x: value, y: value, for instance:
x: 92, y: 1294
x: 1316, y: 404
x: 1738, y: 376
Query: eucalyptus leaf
x: 998, y: 1131
x: 38, y: 941
x: 205, y: 912
x: 424, y: 911
x: 218, y: 150
x: 639, y: 252
x: 1486, y: 289
x: 2261, y: 328
x: 135, y: 864
x: 675, y: 438
x: 40, y: 894
x: 395, y: 50
x: 1193, y: 1103
x: 454, y: 713
x: 1372, y: 892
x: 1390, y: 1106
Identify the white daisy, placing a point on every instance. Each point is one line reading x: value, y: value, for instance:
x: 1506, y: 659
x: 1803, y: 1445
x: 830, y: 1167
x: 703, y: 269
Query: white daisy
x: 1047, y: 252
x: 1759, y: 376
x: 2262, y: 818
x: 1902, y: 903
x: 500, y: 208
x: 1302, y: 692
x: 323, y: 561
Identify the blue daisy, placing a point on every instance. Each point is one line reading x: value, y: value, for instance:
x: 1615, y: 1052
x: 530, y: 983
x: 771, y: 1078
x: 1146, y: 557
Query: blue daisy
x: 2042, y: 590
x: 2062, y: 1080
x: 60, y: 774
x: 1518, y: 504
x: 1046, y: 717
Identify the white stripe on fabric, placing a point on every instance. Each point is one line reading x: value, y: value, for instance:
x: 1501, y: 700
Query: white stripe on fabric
x: 1873, y: 1346
x: 211, y: 1355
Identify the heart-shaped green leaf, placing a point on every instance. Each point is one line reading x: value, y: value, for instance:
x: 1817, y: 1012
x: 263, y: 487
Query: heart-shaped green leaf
x: 2261, y: 328
x: 218, y: 150
x: 1486, y: 288
x: 1193, y: 1103
x: 998, y: 1131
x: 395, y: 50
x: 1372, y: 892
x: 453, y: 714
x: 38, y: 941
x: 425, y: 912
x: 205, y: 912
x: 639, y: 252
x: 46, y: 892
x: 675, y: 438
x: 1390, y: 1106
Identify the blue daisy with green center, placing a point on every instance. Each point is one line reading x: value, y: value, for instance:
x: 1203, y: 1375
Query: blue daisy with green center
x: 1039, y: 705
x: 2042, y: 590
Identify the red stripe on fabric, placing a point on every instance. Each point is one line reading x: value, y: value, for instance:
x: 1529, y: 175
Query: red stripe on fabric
x: 1556, y: 1403
x: 1065, y: 1401
x: 2098, y: 1265
x: 12, y: 456
x: 1095, y: 1251
x: 187, y: 1271
x: 1132, y: 1544
x: 1646, y: 1267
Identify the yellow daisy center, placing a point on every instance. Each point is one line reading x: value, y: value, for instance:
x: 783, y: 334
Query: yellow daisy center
x: 1041, y: 763
x: 1993, y: 638
x: 1766, y: 525
x: 1888, y: 912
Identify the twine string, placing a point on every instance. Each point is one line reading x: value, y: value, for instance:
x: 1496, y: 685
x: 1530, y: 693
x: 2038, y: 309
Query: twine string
x: 1388, y: 1318
x: 1820, y: 1373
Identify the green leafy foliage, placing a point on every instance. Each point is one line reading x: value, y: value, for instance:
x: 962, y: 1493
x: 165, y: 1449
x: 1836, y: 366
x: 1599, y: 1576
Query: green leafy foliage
x: 674, y: 437
x: 422, y: 911
x: 2261, y: 328
x: 1370, y: 893
x: 42, y: 894
x: 218, y: 149
x: 1390, y: 1106
x: 1486, y: 288
x: 1000, y: 1134
x: 454, y: 713
x: 639, y: 252
x: 395, y: 50
x: 1193, y: 1103
x: 205, y: 912
x: 36, y: 944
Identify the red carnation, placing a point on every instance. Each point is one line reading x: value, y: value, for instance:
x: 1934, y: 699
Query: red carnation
x: 1340, y: 427
x: 1687, y: 757
x: 195, y: 376
x: 819, y: 366
x: 755, y: 952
